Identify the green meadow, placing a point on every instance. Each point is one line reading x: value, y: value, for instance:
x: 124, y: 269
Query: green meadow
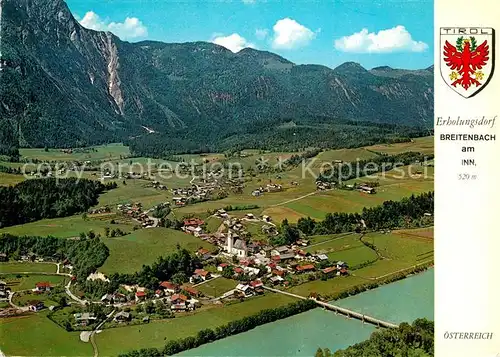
x: 216, y: 287
x: 16, y: 267
x: 101, y: 152
x: 21, y: 282
x: 155, y: 334
x: 129, y: 253
x: 36, y: 335
x: 66, y: 227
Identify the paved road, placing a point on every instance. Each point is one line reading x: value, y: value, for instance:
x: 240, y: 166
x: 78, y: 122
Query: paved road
x: 92, y: 334
x: 22, y: 308
x: 72, y: 296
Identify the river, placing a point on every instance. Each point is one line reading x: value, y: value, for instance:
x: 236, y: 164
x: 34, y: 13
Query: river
x: 301, y: 335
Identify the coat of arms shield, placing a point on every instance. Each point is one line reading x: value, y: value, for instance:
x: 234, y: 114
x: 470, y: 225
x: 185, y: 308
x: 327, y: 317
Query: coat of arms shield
x: 466, y: 58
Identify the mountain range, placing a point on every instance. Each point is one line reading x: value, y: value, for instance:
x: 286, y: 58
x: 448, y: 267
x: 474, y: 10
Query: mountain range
x: 63, y: 85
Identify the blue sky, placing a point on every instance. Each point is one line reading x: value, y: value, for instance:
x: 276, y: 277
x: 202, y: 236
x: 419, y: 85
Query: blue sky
x: 328, y: 32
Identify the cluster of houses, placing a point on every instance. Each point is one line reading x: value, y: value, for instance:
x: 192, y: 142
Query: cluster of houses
x: 194, y: 193
x: 179, y: 298
x: 135, y: 211
x: 364, y: 187
x: 278, y: 261
x: 255, y: 287
x: 270, y: 187
x: 100, y: 210
x: 193, y: 226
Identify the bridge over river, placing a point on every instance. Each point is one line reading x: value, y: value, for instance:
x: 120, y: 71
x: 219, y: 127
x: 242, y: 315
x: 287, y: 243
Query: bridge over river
x: 340, y: 310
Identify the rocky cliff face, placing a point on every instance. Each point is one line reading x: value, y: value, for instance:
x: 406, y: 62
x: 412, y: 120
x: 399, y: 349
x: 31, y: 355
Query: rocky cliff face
x: 64, y: 85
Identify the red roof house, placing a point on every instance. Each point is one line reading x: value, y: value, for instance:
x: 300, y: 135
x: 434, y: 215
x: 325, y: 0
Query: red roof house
x: 170, y: 287
x: 43, y: 286
x: 308, y: 267
x: 193, y: 222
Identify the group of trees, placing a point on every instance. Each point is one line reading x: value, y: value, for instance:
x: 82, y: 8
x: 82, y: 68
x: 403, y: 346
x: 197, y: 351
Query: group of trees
x: 232, y: 328
x: 86, y: 254
x: 409, y: 212
x: 356, y: 169
x: 10, y: 170
x: 415, y: 340
x: 36, y: 199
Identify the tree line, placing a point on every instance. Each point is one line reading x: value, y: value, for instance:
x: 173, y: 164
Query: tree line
x: 360, y: 168
x: 36, y: 199
x: 409, y: 212
x: 232, y: 328
x: 415, y: 340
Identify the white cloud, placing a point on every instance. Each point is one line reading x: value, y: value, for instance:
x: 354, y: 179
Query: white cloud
x: 289, y: 34
x: 131, y: 28
x: 396, y: 39
x: 233, y: 42
x: 261, y: 33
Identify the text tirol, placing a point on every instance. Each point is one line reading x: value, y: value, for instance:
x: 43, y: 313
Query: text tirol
x: 466, y: 31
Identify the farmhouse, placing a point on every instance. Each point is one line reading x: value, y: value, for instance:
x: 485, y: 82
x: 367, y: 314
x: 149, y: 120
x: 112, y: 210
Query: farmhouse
x: 35, y: 305
x: 222, y: 266
x: 193, y: 222
x: 191, y: 291
x: 245, y: 289
x: 200, y: 274
x: 366, y: 189
x: 276, y: 279
x: 305, y: 268
x: 322, y: 257
x: 140, y: 296
x: 179, y: 302
x: 122, y: 316
x: 330, y: 271
x: 43, y: 286
x: 168, y: 287
x: 85, y: 318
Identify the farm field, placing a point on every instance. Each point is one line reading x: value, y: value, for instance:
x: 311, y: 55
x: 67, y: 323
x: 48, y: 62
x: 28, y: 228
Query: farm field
x: 27, y: 282
x: 129, y: 253
x: 101, y: 152
x: 133, y: 191
x: 111, y: 342
x: 36, y: 335
x: 10, y: 179
x: 216, y: 287
x: 320, y: 203
x: 65, y: 227
x: 16, y: 267
x: 347, y: 248
x: 405, y: 248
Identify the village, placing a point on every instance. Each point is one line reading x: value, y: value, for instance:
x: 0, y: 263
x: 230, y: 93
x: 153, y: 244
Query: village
x: 238, y: 269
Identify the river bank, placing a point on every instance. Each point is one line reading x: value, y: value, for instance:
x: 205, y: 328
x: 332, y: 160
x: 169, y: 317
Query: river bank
x: 302, y: 334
